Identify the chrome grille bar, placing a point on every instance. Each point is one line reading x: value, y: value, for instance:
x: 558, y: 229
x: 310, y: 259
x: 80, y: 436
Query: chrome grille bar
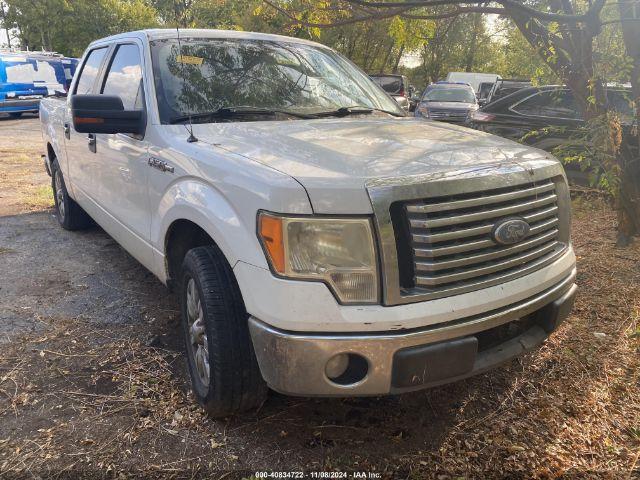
x: 486, y: 228
x: 483, y: 257
x: 484, y: 214
x: 536, y: 254
x: 469, y: 246
x: 480, y: 201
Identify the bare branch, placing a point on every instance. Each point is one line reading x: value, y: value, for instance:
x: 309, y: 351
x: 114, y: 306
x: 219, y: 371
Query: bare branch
x: 454, y: 13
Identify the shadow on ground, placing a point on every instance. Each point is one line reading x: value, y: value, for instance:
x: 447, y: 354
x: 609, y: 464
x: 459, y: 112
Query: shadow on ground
x: 100, y: 382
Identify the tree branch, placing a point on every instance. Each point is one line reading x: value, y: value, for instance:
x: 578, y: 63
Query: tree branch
x: 454, y: 13
x: 378, y: 15
x: 546, y: 16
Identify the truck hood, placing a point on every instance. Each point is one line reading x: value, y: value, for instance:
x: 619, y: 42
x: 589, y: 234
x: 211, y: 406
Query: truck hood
x: 335, y: 158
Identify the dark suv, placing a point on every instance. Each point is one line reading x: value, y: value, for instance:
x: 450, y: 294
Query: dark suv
x: 535, y: 108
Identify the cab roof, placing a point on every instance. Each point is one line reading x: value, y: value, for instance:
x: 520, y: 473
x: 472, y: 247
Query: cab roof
x: 172, y: 33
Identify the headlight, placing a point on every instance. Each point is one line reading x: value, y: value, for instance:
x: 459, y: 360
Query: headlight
x: 337, y: 251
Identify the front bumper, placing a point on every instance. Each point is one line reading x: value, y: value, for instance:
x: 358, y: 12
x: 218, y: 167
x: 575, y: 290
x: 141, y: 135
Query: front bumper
x: 396, y: 362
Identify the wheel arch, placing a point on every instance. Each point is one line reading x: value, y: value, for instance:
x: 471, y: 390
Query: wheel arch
x: 200, y: 207
x: 181, y: 236
x: 51, y: 153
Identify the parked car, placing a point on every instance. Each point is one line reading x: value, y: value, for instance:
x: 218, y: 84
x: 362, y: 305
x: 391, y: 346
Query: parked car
x: 27, y: 77
x: 446, y: 101
x: 474, y: 79
x: 505, y: 87
x: 397, y: 86
x: 320, y: 241
x: 483, y: 92
x: 535, y: 109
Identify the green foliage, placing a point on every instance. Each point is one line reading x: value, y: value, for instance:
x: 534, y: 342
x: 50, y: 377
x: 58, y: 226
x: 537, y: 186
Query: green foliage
x: 68, y: 26
x: 595, y: 147
x: 517, y: 59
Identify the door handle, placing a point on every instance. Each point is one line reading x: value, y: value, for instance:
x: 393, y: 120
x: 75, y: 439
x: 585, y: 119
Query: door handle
x: 67, y: 131
x: 92, y: 142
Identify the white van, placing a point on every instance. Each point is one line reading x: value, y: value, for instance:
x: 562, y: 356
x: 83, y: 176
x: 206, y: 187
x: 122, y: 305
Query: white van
x: 472, y: 78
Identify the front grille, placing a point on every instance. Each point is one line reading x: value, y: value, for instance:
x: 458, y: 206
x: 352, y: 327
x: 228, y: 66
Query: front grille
x: 451, y: 244
x: 448, y: 114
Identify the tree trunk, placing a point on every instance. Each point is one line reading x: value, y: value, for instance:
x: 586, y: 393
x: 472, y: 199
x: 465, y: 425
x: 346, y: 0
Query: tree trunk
x: 398, y: 58
x: 383, y: 66
x: 4, y: 23
x: 473, y: 44
x: 629, y: 158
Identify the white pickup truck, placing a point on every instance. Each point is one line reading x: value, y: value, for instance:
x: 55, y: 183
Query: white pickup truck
x: 321, y: 242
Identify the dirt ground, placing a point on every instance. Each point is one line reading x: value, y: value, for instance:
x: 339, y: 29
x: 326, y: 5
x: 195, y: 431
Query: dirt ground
x: 92, y: 380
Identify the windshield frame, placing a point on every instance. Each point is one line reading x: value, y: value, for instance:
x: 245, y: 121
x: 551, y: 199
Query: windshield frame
x: 372, y: 96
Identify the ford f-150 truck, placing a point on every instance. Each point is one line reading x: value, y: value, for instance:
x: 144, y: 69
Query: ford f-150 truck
x: 321, y: 243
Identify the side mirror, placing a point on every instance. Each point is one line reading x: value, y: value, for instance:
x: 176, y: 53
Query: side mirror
x: 105, y: 114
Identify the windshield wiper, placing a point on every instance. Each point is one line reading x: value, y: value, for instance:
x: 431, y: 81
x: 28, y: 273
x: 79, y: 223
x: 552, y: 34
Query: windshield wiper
x: 229, y: 112
x: 355, y: 110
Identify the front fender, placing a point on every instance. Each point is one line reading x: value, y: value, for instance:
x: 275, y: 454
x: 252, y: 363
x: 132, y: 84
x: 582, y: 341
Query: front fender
x: 202, y: 204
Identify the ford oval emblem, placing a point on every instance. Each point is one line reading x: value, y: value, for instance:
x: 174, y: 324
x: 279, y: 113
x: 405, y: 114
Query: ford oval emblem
x: 510, y: 231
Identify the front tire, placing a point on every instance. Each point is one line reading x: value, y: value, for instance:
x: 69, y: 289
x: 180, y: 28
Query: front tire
x: 70, y: 215
x: 225, y: 376
x: 15, y: 114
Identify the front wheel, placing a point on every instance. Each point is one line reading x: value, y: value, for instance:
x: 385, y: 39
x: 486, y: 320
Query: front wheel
x: 225, y: 376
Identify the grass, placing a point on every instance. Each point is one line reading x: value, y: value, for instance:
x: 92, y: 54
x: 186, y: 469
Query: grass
x: 37, y: 198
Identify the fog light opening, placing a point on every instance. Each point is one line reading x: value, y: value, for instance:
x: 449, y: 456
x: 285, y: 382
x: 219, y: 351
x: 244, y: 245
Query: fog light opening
x: 346, y: 368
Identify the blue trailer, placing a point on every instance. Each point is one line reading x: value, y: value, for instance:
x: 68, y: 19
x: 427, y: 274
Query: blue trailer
x: 27, y: 77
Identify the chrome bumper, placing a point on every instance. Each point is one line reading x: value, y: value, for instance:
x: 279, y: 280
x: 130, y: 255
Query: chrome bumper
x: 294, y: 363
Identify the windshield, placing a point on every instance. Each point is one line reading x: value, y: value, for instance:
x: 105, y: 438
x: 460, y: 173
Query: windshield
x: 210, y: 74
x: 389, y: 84
x: 464, y: 95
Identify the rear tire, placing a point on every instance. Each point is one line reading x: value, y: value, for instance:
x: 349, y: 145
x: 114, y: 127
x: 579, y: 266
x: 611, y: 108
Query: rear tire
x: 225, y: 376
x: 70, y: 215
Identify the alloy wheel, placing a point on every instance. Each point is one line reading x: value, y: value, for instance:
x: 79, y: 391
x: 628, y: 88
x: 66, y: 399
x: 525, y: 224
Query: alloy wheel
x: 199, y: 347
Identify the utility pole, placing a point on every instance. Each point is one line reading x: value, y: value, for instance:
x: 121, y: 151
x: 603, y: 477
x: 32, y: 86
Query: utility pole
x: 4, y: 23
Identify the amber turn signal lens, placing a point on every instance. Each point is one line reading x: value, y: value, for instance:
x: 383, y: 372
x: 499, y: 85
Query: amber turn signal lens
x: 271, y: 235
x: 87, y: 120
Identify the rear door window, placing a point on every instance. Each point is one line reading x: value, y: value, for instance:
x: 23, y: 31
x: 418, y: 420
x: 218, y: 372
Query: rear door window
x: 90, y: 71
x: 554, y: 104
x: 124, y: 77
